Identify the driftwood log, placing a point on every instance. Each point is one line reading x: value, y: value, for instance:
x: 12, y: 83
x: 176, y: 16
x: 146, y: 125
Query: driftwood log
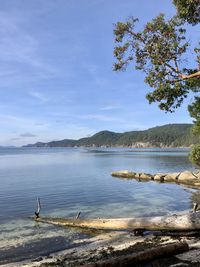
x: 175, y: 222
x: 143, y: 256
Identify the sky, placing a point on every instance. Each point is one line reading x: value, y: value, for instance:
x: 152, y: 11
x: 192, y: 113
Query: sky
x: 56, y: 76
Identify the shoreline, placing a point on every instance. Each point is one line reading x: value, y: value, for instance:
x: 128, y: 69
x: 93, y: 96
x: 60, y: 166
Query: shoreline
x: 115, y: 147
x: 115, y: 244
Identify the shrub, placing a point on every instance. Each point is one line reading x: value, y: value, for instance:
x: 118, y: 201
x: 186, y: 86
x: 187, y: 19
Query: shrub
x: 195, y: 155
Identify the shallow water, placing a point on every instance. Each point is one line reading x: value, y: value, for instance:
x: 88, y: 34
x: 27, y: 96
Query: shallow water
x: 70, y: 180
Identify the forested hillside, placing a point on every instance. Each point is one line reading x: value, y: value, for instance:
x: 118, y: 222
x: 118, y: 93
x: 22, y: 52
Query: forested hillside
x: 170, y: 135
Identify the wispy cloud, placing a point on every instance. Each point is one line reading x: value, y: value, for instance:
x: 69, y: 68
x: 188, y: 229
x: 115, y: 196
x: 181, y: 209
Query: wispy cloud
x: 92, y: 3
x: 27, y: 135
x: 109, y: 107
x: 20, y: 50
x: 95, y: 73
x: 22, y: 138
x: 20, y: 122
x: 100, y: 117
x: 41, y: 97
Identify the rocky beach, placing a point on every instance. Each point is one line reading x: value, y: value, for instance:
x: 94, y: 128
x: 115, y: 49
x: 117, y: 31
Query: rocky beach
x: 106, y: 248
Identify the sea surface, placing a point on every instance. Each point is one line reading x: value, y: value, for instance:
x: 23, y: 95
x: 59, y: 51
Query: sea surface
x: 69, y: 180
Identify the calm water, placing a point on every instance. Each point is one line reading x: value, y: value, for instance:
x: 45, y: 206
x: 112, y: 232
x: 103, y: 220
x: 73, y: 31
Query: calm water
x: 72, y: 180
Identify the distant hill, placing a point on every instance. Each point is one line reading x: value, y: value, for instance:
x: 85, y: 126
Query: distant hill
x: 170, y: 135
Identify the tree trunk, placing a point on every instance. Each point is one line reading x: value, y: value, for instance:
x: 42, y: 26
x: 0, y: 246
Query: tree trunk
x: 177, y: 222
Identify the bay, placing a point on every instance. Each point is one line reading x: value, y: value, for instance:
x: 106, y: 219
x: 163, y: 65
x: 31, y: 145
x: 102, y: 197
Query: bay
x: 69, y: 180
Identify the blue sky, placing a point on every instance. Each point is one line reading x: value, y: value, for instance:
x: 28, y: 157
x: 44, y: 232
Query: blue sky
x: 56, y: 71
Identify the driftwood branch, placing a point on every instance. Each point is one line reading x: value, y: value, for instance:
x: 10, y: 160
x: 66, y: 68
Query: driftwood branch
x: 143, y: 256
x: 195, y: 206
x: 37, y: 212
x: 78, y: 215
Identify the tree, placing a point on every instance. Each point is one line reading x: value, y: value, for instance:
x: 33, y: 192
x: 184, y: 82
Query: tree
x: 160, y: 51
x: 188, y: 10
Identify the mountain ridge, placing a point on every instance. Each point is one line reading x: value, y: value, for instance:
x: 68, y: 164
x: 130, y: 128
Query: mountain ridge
x: 168, y: 135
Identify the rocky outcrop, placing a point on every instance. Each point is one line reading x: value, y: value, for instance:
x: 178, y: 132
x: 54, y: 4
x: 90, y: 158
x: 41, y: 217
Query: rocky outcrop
x: 142, y: 145
x: 145, y: 176
x: 185, y: 177
x: 159, y: 177
x: 172, y: 176
x: 125, y: 174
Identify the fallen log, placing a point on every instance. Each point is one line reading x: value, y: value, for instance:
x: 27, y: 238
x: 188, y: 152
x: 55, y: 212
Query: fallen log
x: 176, y: 234
x: 177, y: 222
x: 143, y: 256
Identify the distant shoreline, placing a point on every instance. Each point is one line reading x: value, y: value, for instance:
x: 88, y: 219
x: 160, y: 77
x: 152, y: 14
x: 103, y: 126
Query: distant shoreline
x: 134, y: 149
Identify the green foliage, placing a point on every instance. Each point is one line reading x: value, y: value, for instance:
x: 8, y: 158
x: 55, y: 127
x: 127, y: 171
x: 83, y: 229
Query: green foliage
x: 194, y: 110
x: 170, y: 135
x: 158, y: 51
x: 100, y: 139
x: 195, y: 155
x: 189, y: 10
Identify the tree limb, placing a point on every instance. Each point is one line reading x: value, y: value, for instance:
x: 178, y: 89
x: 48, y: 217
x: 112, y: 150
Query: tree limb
x: 196, y: 74
x: 181, y: 75
x: 169, y: 66
x: 176, y: 64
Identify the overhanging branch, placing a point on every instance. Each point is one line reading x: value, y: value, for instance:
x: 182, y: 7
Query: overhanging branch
x: 193, y: 75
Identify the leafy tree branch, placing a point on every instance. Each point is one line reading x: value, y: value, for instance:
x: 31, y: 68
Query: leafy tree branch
x: 160, y: 50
